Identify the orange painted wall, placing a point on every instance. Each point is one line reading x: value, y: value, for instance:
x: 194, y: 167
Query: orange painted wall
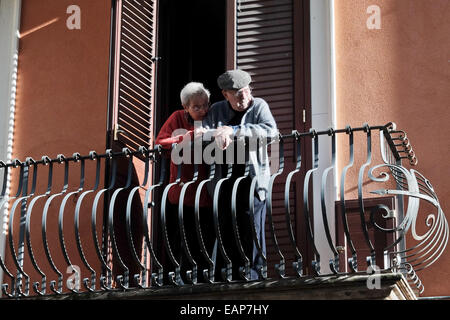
x: 62, y: 89
x: 61, y: 105
x: 400, y: 73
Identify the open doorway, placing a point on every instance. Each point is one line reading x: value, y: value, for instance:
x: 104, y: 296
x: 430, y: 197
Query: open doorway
x: 192, y: 47
x: 191, y: 44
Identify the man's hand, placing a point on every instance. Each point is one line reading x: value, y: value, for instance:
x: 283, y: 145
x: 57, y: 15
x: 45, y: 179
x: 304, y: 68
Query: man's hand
x: 223, y: 136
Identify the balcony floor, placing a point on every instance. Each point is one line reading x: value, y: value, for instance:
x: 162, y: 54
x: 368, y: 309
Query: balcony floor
x: 388, y: 286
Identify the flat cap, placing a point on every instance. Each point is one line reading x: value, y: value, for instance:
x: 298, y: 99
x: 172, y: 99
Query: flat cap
x: 234, y: 80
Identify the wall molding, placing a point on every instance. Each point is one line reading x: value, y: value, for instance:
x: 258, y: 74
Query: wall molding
x: 9, y: 56
x: 323, y: 106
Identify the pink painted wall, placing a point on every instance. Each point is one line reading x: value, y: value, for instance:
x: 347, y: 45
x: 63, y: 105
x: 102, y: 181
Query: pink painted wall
x: 400, y: 73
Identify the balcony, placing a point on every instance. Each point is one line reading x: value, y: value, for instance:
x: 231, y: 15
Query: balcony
x: 101, y: 233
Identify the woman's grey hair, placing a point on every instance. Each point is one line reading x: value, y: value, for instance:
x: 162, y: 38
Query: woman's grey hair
x: 193, y: 89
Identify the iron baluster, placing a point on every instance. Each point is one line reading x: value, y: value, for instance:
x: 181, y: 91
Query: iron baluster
x: 315, y: 263
x: 76, y: 157
x: 280, y: 267
x: 191, y: 275
x: 333, y: 263
x: 43, y: 284
x: 122, y: 280
x: 370, y: 259
x: 387, y: 138
x: 90, y: 287
x: 244, y: 271
x: 256, y: 237
x: 209, y: 273
x: 156, y: 277
x: 387, y: 130
x: 18, y: 259
x: 298, y: 264
x: 226, y: 272
x: 105, y: 280
x: 137, y: 277
x: 53, y: 284
x: 352, y: 262
x: 387, y: 154
x: 3, y: 201
x: 28, y: 162
x: 173, y: 276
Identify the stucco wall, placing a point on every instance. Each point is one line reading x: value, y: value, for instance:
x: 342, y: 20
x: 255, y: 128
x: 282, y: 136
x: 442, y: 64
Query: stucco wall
x: 9, y: 24
x: 62, y: 87
x: 400, y: 73
x: 61, y: 104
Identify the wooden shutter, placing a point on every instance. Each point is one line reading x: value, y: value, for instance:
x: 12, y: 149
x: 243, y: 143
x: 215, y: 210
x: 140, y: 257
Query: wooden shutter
x: 134, y: 73
x: 267, y: 39
x: 131, y: 107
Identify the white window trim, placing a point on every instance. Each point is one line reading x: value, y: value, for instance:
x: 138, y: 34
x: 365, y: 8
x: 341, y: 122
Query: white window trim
x: 9, y: 52
x: 323, y: 112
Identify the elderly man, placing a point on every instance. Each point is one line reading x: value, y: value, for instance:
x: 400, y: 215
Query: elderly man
x: 243, y: 116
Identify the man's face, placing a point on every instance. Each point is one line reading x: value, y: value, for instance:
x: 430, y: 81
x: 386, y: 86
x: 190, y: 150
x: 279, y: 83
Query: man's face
x: 239, y: 100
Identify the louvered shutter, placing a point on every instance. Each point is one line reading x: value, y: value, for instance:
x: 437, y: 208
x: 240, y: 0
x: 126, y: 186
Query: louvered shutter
x: 131, y: 110
x: 265, y: 49
x: 134, y: 73
x: 265, y: 46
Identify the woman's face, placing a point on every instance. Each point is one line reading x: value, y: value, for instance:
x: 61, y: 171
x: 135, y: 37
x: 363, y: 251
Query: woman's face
x: 197, y: 107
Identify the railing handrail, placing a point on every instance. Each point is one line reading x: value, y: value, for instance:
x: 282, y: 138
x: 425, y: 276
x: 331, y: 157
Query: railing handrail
x: 394, y: 147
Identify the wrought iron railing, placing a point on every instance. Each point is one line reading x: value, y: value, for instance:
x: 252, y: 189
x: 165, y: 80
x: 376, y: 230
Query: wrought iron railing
x: 106, y: 249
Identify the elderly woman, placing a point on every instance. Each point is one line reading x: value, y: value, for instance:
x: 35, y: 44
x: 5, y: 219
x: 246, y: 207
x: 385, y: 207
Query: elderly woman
x: 179, y: 128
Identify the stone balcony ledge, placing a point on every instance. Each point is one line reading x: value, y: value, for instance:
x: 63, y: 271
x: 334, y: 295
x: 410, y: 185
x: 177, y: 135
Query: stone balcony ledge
x: 357, y: 286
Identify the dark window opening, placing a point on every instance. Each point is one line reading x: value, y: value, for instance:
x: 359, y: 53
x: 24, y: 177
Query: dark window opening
x: 191, y: 44
x: 192, y: 47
